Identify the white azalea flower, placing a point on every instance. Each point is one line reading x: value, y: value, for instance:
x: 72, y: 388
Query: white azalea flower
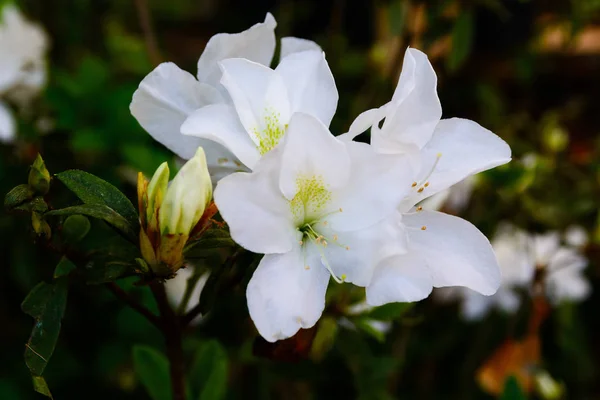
x: 442, y: 250
x: 168, y: 95
x: 263, y: 103
x: 316, y: 207
x: 22, y: 64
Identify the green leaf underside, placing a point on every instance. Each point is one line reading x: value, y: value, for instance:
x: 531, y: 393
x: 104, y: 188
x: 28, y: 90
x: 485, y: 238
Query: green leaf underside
x: 92, y: 190
x: 152, y: 367
x: 46, y: 304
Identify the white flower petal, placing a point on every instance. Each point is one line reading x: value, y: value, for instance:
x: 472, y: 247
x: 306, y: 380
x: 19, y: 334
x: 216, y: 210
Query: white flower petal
x: 220, y: 124
x: 257, y: 92
x: 464, y: 148
x: 457, y: 253
x: 310, y: 84
x: 565, y: 258
x: 259, y: 217
x: 176, y: 288
x: 545, y: 247
x: 355, y: 255
x: 416, y: 107
x: 290, y: 45
x: 378, y: 184
x: 567, y: 284
x: 310, y: 150
x: 163, y: 101
x: 284, y: 296
x: 255, y: 44
x: 576, y: 236
x: 7, y: 124
x: 400, y: 278
x: 513, y: 252
x: 363, y: 122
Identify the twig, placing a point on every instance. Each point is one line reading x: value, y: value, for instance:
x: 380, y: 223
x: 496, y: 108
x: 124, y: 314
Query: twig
x: 147, y: 28
x: 172, y: 332
x: 123, y: 295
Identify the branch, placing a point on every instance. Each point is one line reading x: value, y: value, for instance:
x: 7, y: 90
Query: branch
x: 146, y: 23
x: 172, y: 333
x: 133, y: 303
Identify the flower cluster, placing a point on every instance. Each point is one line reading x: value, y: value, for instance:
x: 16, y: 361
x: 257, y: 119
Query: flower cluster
x: 23, y: 46
x: 528, y: 259
x: 316, y: 205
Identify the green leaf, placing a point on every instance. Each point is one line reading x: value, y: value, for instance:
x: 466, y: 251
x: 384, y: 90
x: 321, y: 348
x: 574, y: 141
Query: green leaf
x: 75, y: 228
x: 462, y: 40
x: 40, y: 386
x: 92, y: 190
x: 208, y: 375
x: 512, y: 390
x: 64, y: 268
x: 38, y: 204
x: 152, y: 367
x: 101, y: 212
x: 390, y: 311
x: 102, y: 271
x: 17, y: 196
x: 46, y: 303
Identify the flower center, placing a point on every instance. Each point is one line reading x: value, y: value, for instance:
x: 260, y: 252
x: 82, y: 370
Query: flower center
x: 312, y: 196
x: 309, y: 209
x: 271, y: 133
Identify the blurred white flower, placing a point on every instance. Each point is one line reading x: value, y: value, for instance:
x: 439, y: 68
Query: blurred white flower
x: 519, y: 254
x: 576, y: 236
x: 442, y: 250
x: 454, y: 199
x: 177, y: 286
x: 23, y: 47
x: 168, y: 95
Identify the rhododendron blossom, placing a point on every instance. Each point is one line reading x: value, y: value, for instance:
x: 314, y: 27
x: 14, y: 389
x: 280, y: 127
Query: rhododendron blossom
x: 316, y: 207
x: 168, y: 95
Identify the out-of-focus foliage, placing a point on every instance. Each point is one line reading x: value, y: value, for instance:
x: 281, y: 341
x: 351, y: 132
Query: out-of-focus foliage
x: 528, y: 70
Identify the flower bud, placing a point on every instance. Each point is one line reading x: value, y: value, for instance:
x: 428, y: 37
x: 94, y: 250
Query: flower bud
x: 39, y: 177
x: 169, y: 212
x: 187, y: 197
x: 157, y: 189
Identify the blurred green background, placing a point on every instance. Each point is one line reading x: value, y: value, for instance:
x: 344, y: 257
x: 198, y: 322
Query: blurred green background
x: 527, y: 70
